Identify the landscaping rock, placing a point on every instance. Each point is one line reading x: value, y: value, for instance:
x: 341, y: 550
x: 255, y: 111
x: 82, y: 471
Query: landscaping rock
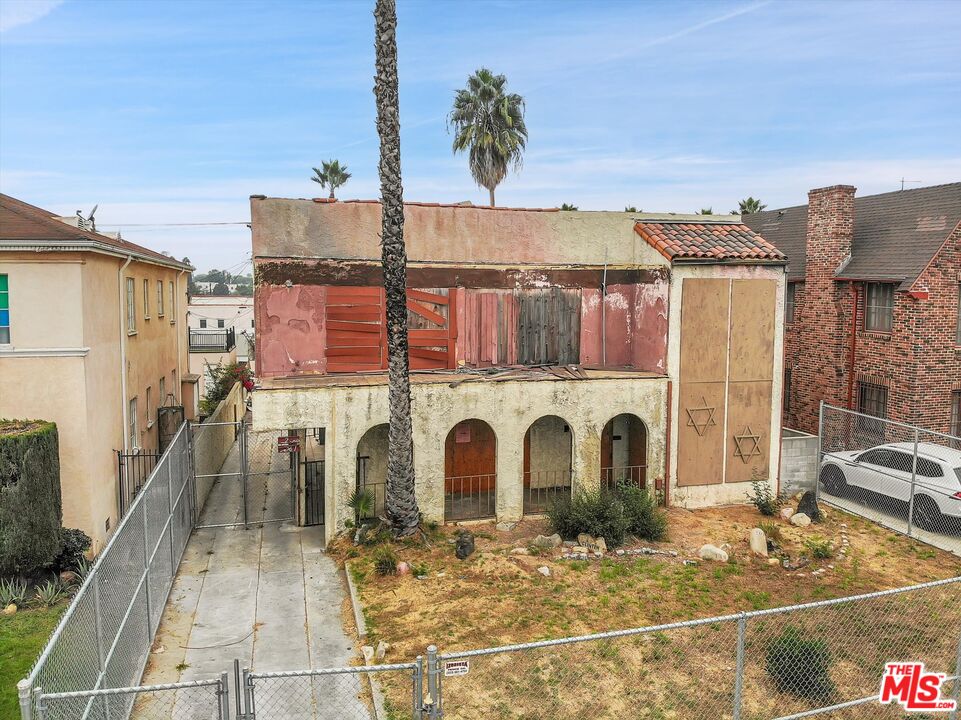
x: 809, y: 506
x: 773, y: 561
x: 506, y: 526
x: 800, y: 519
x: 69, y: 577
x: 712, y: 552
x: 619, y: 552
x: 600, y: 545
x: 368, y: 653
x: 569, y: 543
x: 579, y: 550
x: 787, y: 512
x: 381, y: 652
x: 403, y: 568
x: 520, y: 551
x: 547, y: 542
x: 758, y: 542
x: 10, y: 609
x: 544, y: 570
x: 593, y: 544
x: 465, y: 545
x: 690, y: 562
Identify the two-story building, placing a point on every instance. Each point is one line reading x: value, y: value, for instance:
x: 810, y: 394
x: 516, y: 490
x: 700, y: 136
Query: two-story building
x: 873, y: 310
x: 93, y: 337
x: 549, y: 351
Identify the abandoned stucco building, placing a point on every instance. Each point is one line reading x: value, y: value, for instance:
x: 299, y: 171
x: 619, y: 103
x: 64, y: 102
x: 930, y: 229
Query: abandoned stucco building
x: 550, y: 350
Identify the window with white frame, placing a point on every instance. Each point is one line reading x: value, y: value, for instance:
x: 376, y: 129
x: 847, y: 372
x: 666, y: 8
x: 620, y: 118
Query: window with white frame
x: 160, y: 298
x: 203, y: 322
x: 146, y: 299
x: 879, y: 307
x: 131, y: 306
x: 173, y: 304
x: 220, y: 323
x: 133, y: 436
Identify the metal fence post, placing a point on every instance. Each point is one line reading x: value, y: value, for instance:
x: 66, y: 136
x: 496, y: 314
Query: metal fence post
x: 417, y: 709
x: 248, y: 684
x: 223, y: 697
x: 25, y: 694
x: 914, y: 475
x: 433, y: 686
x: 244, y: 468
x: 241, y: 712
x: 817, y: 465
x: 739, y: 673
x: 170, y: 513
x: 146, y: 570
x: 956, y: 689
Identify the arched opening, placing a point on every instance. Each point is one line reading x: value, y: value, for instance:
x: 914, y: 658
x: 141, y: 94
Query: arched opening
x: 470, y: 471
x: 547, y: 462
x: 372, y: 469
x: 624, y: 452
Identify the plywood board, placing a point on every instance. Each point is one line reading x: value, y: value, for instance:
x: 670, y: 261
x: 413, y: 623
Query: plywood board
x: 704, y: 326
x: 752, y: 330
x: 748, y: 431
x: 700, y: 434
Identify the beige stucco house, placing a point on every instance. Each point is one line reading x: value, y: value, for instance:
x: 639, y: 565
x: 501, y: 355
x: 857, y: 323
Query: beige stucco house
x: 92, y: 337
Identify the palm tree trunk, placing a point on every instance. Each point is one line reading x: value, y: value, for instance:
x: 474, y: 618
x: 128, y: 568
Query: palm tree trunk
x: 331, y: 193
x: 491, y: 191
x: 402, y: 508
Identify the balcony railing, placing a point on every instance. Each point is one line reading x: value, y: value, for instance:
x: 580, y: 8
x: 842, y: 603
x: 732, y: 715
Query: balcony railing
x: 222, y: 340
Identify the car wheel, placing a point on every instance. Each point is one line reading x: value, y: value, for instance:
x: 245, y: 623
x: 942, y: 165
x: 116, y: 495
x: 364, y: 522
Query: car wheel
x: 833, y: 480
x: 927, y: 514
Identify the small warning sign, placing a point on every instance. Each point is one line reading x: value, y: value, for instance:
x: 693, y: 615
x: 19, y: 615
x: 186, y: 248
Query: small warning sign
x: 288, y: 444
x: 456, y: 667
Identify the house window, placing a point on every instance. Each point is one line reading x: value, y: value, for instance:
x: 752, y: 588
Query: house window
x: 146, y: 299
x: 789, y: 303
x: 787, y: 391
x: 203, y: 323
x: 173, y: 384
x: 4, y: 310
x: 160, y: 298
x: 173, y: 304
x: 956, y: 416
x: 873, y: 399
x: 220, y: 323
x: 879, y: 307
x: 131, y: 307
x: 148, y: 413
x: 163, y: 392
x: 132, y: 420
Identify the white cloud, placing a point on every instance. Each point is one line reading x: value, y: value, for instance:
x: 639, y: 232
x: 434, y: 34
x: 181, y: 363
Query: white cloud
x: 14, y: 13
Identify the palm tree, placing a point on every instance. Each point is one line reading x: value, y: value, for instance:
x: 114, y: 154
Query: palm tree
x: 564, y: 206
x: 401, y: 503
x: 333, y: 175
x: 705, y: 211
x: 631, y: 208
x: 749, y: 206
x: 489, y: 124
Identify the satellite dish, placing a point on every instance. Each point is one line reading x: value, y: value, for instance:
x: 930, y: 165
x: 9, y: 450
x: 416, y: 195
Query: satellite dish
x: 93, y: 223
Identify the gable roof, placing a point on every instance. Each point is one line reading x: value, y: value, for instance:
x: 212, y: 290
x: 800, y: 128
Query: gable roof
x: 896, y: 234
x: 25, y: 225
x: 728, y: 240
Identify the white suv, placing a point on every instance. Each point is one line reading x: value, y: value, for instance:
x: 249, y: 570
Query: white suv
x: 886, y: 470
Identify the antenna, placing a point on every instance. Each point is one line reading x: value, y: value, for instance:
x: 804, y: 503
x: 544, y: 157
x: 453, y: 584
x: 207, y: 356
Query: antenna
x: 903, y: 181
x: 93, y: 223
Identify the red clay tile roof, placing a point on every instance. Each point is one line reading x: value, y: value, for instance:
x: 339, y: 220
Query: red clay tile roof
x: 683, y: 240
x: 23, y: 223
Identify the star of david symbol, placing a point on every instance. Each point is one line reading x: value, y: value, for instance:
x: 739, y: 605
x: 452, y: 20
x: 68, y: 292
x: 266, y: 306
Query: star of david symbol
x: 701, y: 418
x: 748, y: 444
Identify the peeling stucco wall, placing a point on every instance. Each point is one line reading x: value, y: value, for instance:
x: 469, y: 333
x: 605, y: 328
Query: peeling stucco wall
x: 508, y: 407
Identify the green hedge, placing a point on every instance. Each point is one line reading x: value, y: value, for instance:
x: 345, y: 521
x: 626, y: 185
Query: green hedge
x: 30, y: 504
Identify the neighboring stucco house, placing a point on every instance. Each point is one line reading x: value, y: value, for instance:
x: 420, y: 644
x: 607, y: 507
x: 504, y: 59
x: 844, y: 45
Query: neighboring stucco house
x: 92, y: 337
x: 212, y: 313
x: 550, y: 350
x: 873, y: 312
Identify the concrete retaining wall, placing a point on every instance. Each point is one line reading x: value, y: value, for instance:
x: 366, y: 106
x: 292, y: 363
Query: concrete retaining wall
x: 799, y: 461
x: 212, y: 441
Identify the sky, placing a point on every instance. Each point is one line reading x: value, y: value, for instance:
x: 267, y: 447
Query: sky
x: 170, y: 113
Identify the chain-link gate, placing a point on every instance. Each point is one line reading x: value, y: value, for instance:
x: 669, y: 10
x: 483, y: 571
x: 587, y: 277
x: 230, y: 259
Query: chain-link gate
x: 271, y: 478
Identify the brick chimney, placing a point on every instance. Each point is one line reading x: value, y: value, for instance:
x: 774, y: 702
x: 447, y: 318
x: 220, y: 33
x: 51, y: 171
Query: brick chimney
x: 821, y: 372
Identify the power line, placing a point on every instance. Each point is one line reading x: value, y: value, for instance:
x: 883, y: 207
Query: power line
x: 196, y: 224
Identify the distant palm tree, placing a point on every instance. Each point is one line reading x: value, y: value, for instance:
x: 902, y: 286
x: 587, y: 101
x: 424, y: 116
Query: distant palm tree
x: 566, y: 206
x: 705, y: 211
x: 749, y: 206
x: 401, y: 500
x: 489, y: 124
x: 333, y: 175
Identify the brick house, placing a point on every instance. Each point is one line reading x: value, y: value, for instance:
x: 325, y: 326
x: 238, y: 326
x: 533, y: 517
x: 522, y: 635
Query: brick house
x: 873, y: 302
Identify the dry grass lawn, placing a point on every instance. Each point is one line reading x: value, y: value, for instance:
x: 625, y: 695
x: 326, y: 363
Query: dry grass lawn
x: 496, y: 598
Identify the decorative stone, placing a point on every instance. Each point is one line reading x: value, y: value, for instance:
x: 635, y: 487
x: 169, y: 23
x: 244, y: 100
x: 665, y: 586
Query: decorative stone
x: 800, y: 519
x: 601, y: 545
x: 465, y: 544
x: 809, y: 506
x: 619, y: 552
x: 69, y: 577
x: 403, y: 568
x: 712, y: 552
x: 578, y: 549
x: 690, y: 562
x: 787, y: 512
x: 773, y: 561
x: 10, y: 609
x: 544, y: 570
x: 506, y: 526
x: 368, y: 653
x: 547, y: 541
x: 569, y: 543
x: 758, y: 542
x: 520, y: 551
x: 381, y: 650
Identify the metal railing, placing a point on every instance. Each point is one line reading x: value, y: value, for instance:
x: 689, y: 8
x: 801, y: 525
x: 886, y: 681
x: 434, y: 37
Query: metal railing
x: 901, y: 476
x: 470, y: 497
x: 208, y: 699
x: 541, y: 487
x: 133, y: 469
x: 635, y: 475
x: 103, y: 640
x: 222, y: 340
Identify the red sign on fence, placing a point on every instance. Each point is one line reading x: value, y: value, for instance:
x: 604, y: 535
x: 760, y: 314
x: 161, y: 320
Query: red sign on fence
x: 288, y: 444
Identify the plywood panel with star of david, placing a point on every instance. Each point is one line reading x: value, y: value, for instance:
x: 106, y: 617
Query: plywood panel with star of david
x: 752, y: 330
x: 700, y: 434
x: 748, y: 442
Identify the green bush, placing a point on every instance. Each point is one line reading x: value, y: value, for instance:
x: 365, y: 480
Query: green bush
x: 30, y: 504
x: 596, y: 512
x: 645, y: 519
x: 73, y: 547
x: 819, y: 547
x: 800, y: 667
x: 219, y: 385
x: 385, y: 560
x: 764, y: 498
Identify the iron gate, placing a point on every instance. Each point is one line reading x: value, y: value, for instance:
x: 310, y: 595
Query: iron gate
x: 314, y: 492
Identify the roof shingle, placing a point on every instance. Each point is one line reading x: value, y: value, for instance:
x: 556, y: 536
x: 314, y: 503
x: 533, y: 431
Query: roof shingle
x: 707, y: 241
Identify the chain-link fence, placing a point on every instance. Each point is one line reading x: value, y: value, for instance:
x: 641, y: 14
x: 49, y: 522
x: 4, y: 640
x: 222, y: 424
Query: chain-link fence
x: 270, y: 492
x: 105, y: 635
x: 900, y: 476
x: 197, y: 700
x: 823, y: 658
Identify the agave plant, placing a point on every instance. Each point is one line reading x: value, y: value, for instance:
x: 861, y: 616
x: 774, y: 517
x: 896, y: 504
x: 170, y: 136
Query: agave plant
x: 50, y: 593
x: 12, y: 592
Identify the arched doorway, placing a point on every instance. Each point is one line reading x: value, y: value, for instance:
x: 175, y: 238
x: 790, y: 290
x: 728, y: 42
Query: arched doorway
x: 470, y: 471
x: 624, y: 452
x: 547, y: 462
x: 372, y: 468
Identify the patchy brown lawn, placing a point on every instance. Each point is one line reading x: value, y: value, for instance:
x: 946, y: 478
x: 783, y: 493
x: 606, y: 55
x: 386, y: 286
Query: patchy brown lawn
x: 496, y: 598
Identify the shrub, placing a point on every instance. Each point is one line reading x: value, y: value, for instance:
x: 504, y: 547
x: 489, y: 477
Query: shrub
x: 771, y: 530
x: 819, y: 547
x: 50, y: 593
x: 362, y: 503
x: 645, y: 519
x: 800, y: 667
x: 220, y: 383
x: 385, y: 560
x: 600, y: 513
x: 30, y: 505
x: 73, y: 547
x: 763, y: 497
x: 12, y: 591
